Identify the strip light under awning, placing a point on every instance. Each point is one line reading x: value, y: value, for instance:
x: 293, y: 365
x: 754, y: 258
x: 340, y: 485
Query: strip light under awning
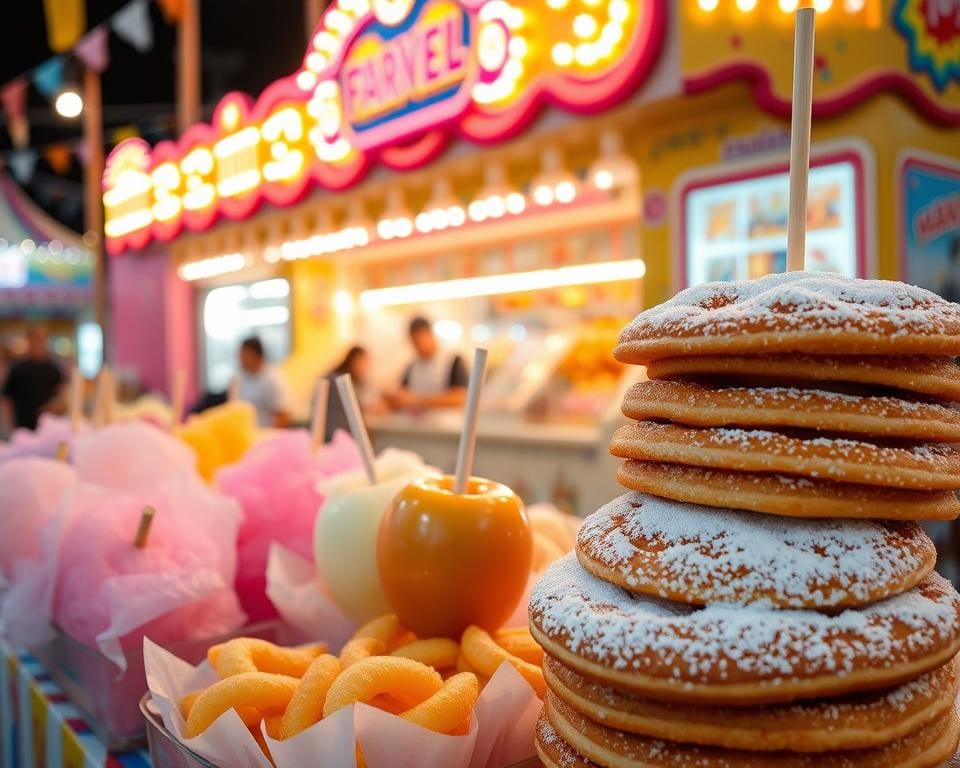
x: 519, y: 282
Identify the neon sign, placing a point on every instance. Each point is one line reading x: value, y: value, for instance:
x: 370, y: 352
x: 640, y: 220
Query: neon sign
x: 384, y: 81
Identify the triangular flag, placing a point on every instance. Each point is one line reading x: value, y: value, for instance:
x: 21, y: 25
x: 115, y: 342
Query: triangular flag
x: 172, y: 10
x: 58, y: 155
x: 19, y: 129
x: 82, y: 152
x: 66, y: 21
x: 123, y: 132
x: 48, y: 76
x: 132, y: 24
x: 13, y: 98
x: 22, y: 163
x: 94, y: 50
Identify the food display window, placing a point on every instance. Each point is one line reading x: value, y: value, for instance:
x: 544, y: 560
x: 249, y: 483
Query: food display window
x: 231, y: 313
x: 734, y: 225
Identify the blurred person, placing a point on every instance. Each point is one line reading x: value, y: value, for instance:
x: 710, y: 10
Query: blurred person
x: 437, y: 377
x: 357, y: 363
x: 262, y: 385
x: 33, y: 384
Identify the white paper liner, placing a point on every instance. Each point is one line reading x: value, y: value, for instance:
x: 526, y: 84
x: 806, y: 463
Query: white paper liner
x: 501, y: 731
x: 302, y: 601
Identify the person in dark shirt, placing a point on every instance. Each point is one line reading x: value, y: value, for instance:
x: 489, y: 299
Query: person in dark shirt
x: 437, y: 378
x: 32, y: 385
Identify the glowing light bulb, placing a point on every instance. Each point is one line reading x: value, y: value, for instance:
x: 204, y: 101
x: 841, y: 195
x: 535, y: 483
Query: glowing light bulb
x: 746, y: 5
x: 496, y: 206
x: 515, y: 203
x: 854, y: 6
x: 585, y: 26
x: 822, y: 6
x: 618, y: 10
x: 565, y: 191
x: 562, y: 54
x: 456, y: 216
x: 543, y: 195
x: 789, y: 6
x: 69, y: 104
x: 603, y: 180
x: 708, y: 5
x: 477, y: 210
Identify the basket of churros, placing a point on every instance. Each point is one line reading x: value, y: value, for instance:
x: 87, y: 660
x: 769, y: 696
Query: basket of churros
x: 387, y: 698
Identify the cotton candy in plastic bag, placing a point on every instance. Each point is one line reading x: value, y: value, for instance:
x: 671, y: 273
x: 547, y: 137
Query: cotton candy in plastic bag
x: 31, y: 490
x: 43, y: 442
x: 179, y: 586
x: 130, y: 456
x: 276, y: 485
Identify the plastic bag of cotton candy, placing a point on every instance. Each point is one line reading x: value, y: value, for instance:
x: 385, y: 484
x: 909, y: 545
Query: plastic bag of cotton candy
x: 99, y: 578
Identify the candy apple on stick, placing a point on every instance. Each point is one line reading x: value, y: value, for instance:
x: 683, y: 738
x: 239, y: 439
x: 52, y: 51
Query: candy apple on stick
x: 455, y: 550
x: 345, y: 536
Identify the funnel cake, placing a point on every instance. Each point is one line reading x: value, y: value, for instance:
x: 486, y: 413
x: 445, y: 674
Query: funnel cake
x: 876, y: 415
x: 928, y: 467
x: 937, y: 377
x: 857, y: 721
x: 566, y: 738
x: 795, y: 312
x: 779, y: 494
x: 736, y: 655
x: 699, y: 555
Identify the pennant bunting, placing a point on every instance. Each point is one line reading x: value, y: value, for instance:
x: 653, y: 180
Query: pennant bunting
x: 58, y: 156
x: 66, y: 22
x: 19, y: 129
x: 81, y: 151
x: 123, y: 132
x: 48, y: 76
x: 132, y: 24
x: 173, y: 10
x: 13, y: 98
x: 22, y: 162
x: 94, y: 49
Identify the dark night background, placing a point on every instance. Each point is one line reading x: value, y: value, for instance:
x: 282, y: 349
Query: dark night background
x: 246, y: 44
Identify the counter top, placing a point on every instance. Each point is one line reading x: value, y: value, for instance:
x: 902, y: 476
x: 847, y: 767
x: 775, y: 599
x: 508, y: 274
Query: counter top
x: 492, y: 428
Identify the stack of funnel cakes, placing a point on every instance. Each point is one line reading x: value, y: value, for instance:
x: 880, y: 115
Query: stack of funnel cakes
x: 763, y: 595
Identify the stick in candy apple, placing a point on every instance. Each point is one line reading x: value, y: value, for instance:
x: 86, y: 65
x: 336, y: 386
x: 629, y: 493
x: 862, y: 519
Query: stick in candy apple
x: 455, y: 551
x: 345, y: 536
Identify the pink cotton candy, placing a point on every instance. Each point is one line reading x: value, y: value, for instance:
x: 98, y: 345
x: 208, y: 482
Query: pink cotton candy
x: 30, y: 492
x: 275, y: 483
x: 110, y: 594
x: 44, y: 442
x: 130, y: 456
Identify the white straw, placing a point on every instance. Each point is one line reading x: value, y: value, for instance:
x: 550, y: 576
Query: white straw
x: 348, y: 399
x: 468, y: 438
x: 800, y: 139
x: 178, y: 397
x: 76, y: 400
x: 318, y: 422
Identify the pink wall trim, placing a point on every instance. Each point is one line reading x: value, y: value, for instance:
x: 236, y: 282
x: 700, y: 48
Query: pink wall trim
x: 152, y: 321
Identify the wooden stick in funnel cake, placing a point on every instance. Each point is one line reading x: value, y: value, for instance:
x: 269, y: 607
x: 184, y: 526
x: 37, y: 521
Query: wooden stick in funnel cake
x: 468, y: 438
x: 351, y: 406
x: 318, y: 421
x: 800, y: 139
